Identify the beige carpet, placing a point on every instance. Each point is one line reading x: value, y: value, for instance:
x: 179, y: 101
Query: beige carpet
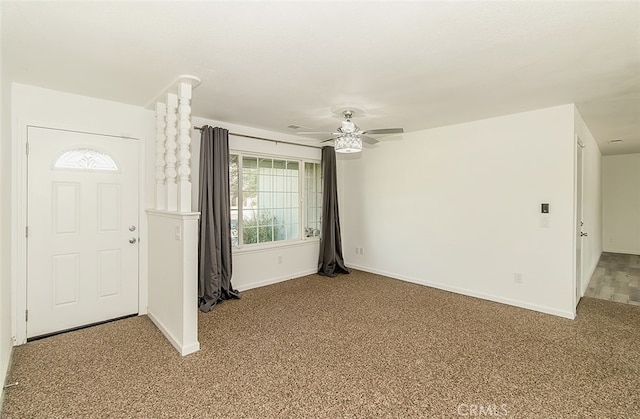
x: 353, y: 346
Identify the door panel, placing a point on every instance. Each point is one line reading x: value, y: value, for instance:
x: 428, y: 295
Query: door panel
x: 82, y: 198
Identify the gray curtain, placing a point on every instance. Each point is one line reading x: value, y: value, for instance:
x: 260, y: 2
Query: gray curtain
x: 214, y: 246
x: 330, y: 261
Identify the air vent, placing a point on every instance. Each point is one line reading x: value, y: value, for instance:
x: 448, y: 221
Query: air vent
x: 294, y: 126
x: 615, y: 141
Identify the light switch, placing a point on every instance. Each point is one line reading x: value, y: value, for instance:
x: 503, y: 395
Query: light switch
x: 178, y: 233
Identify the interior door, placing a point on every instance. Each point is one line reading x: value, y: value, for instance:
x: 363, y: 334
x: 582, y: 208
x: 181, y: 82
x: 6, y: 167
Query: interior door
x: 580, y: 223
x: 82, y: 234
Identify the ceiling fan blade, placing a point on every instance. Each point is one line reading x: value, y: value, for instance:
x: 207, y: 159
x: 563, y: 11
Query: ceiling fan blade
x: 315, y: 133
x: 384, y: 131
x: 328, y: 139
x: 369, y: 140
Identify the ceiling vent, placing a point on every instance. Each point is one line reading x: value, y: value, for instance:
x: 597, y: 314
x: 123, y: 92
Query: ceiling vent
x: 615, y: 141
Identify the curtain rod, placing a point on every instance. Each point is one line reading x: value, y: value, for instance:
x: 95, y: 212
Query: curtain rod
x: 267, y: 139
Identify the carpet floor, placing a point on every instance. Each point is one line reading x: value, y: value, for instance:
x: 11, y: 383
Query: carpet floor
x: 358, y: 345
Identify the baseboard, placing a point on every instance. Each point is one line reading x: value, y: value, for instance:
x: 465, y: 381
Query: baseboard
x: 470, y: 293
x: 272, y: 281
x: 623, y: 251
x: 183, y: 349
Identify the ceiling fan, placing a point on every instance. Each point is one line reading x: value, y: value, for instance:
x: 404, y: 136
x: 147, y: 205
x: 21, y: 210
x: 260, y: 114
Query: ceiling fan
x: 349, y: 137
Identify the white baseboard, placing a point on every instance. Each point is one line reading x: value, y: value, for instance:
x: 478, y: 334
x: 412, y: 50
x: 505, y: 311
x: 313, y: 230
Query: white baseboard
x: 470, y: 293
x: 183, y: 349
x: 271, y: 281
x: 623, y: 251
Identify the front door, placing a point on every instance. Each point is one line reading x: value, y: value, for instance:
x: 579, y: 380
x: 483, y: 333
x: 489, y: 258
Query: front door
x: 82, y: 234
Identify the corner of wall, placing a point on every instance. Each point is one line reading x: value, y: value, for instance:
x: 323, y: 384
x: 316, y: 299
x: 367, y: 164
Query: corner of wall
x: 6, y: 341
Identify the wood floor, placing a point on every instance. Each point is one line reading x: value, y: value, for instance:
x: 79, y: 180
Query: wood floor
x: 616, y: 278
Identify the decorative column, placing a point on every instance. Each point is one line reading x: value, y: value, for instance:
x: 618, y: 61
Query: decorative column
x: 161, y: 187
x: 170, y: 157
x: 184, y: 153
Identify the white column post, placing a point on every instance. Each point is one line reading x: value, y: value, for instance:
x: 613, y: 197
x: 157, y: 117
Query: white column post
x: 170, y: 157
x: 161, y: 187
x: 184, y: 152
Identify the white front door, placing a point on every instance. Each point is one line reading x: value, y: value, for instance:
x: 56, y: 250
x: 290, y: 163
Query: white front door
x: 82, y: 241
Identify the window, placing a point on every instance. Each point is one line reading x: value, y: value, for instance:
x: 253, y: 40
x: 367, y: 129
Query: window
x: 313, y: 196
x: 270, y: 196
x: 85, y: 159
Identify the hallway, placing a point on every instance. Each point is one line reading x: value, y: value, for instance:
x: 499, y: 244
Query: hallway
x: 616, y: 278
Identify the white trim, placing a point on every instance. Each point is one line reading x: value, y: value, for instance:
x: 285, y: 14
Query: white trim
x: 623, y: 251
x: 266, y: 247
x: 467, y: 292
x: 174, y: 214
x: 183, y: 349
x: 576, y: 219
x: 19, y: 209
x: 276, y: 280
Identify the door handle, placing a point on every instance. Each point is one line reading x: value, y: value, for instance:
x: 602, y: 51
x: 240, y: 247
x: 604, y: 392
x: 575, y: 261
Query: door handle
x: 583, y: 234
x: 132, y: 240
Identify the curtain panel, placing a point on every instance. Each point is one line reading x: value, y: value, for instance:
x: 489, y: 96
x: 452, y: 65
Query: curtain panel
x: 330, y: 260
x: 214, y: 246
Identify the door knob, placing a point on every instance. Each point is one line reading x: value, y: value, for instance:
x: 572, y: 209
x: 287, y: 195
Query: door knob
x: 132, y: 228
x: 583, y: 234
x: 132, y: 240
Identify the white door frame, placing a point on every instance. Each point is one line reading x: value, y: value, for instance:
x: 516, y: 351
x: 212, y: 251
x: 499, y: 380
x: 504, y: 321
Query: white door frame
x: 19, y: 221
x: 578, y: 271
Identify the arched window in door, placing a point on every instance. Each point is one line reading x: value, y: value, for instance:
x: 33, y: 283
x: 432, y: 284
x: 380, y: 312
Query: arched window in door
x: 85, y: 159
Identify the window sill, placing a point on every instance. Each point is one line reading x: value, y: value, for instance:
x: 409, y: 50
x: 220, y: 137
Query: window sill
x: 274, y: 246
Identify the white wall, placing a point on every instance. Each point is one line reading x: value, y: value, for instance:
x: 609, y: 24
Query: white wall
x: 458, y: 208
x: 591, y: 201
x: 259, y: 266
x: 621, y: 203
x: 43, y: 107
x: 5, y: 243
x: 173, y: 278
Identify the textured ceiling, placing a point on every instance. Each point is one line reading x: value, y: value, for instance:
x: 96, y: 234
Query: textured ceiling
x: 411, y: 64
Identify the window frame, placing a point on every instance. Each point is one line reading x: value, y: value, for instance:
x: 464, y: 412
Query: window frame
x: 302, y: 213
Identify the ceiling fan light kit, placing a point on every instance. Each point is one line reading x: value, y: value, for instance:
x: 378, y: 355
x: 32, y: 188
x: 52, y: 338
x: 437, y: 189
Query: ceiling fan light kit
x: 349, y: 137
x: 348, y: 143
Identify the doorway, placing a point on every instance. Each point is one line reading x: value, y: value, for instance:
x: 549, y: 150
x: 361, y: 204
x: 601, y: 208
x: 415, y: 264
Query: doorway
x: 82, y: 229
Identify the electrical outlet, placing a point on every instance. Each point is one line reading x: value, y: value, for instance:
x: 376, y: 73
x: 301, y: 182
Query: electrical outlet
x: 517, y: 278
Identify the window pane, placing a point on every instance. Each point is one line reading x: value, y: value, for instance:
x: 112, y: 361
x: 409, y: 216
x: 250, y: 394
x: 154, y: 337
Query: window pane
x: 250, y: 235
x: 234, y: 227
x: 233, y: 183
x: 249, y: 179
x: 270, y: 198
x: 249, y: 163
x: 265, y: 164
x: 265, y: 234
x: 86, y: 159
x: 313, y: 199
